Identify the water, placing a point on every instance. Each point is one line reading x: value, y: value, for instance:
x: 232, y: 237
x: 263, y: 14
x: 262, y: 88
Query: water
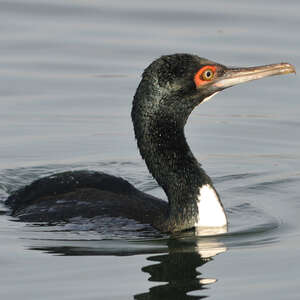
x: 68, y: 72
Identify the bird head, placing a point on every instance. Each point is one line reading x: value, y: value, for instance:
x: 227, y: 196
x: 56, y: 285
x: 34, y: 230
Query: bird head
x: 183, y: 81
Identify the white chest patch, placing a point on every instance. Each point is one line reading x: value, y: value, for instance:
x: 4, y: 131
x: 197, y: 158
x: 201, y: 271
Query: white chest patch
x: 210, y: 210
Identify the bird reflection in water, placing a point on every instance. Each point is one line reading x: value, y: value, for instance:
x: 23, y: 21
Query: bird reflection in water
x: 179, y: 268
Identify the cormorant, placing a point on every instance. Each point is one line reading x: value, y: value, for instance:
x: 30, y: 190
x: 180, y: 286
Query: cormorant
x: 171, y: 87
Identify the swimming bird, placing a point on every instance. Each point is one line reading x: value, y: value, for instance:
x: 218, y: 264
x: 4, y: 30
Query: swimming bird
x: 171, y: 87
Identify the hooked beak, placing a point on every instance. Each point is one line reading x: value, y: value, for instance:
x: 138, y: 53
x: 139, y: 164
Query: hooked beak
x: 233, y: 76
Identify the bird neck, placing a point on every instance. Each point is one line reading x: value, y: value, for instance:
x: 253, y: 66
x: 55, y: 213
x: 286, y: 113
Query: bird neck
x: 192, y: 198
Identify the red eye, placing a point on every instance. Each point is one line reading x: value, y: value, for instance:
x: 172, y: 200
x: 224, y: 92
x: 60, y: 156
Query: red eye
x: 205, y: 74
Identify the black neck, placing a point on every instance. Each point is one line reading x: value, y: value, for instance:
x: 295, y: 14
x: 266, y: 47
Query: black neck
x: 160, y: 135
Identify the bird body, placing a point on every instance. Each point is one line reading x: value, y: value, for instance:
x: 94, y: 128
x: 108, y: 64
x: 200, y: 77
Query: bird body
x: 171, y: 87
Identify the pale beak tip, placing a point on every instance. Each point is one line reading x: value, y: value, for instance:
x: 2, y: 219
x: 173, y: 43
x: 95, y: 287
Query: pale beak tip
x: 289, y: 68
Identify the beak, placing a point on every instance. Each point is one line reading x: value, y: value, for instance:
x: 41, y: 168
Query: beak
x: 233, y: 76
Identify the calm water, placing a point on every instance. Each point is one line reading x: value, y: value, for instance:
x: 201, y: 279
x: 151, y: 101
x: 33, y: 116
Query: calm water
x: 68, y: 72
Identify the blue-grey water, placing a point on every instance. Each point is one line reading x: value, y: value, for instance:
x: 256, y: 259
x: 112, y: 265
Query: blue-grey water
x: 68, y: 72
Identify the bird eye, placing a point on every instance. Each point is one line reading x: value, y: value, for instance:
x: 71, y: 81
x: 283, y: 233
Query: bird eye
x: 207, y: 74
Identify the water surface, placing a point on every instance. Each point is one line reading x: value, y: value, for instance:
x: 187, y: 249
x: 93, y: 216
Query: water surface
x: 68, y: 73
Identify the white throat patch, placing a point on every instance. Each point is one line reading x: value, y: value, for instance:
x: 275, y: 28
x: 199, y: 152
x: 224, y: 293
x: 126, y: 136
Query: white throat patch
x: 210, y: 210
x: 209, y: 97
